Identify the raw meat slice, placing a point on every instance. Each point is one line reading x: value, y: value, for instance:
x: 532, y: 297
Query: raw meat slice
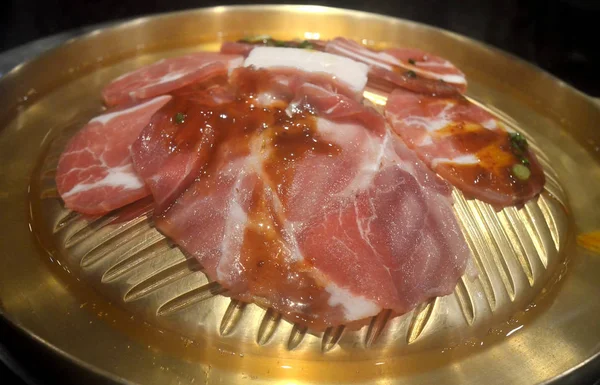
x: 290, y: 191
x: 309, y: 205
x: 467, y: 146
x: 395, y: 240
x: 175, y: 145
x: 95, y: 174
x: 167, y: 75
x: 346, y: 71
x: 412, y: 69
x: 236, y: 48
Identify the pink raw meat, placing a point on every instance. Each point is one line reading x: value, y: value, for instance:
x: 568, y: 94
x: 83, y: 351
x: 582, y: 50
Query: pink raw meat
x: 465, y: 145
x: 236, y: 48
x: 169, y: 153
x: 310, y: 205
x: 167, y: 75
x: 95, y: 173
x: 412, y: 69
x: 289, y: 190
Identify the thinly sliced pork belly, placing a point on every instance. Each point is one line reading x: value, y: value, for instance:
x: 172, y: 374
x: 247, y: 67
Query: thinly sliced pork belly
x: 167, y: 75
x: 95, y: 172
x: 316, y: 210
x: 349, y: 72
x: 467, y: 146
x: 405, y: 67
x: 172, y: 149
x: 290, y: 191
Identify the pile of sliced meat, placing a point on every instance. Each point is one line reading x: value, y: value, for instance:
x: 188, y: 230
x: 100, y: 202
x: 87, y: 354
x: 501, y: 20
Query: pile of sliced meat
x: 268, y: 166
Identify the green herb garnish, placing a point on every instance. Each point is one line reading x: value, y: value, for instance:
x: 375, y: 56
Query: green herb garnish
x: 277, y: 43
x: 264, y: 39
x: 179, y: 117
x: 521, y: 171
x: 291, y: 44
x: 412, y: 61
x: 270, y: 42
x: 411, y: 74
x: 518, y: 142
x: 305, y: 44
x: 519, y: 146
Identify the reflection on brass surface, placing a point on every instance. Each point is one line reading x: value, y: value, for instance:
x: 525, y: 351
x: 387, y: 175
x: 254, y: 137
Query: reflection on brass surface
x: 116, y: 296
x: 590, y: 241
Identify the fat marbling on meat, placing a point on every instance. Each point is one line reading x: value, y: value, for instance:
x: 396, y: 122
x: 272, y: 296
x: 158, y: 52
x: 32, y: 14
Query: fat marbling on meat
x: 308, y: 203
x: 408, y: 68
x: 467, y: 146
x: 167, y: 75
x: 95, y: 172
x: 390, y: 68
x: 289, y: 189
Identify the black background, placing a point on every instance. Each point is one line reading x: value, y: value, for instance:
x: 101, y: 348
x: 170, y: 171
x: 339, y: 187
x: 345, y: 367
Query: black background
x: 560, y: 36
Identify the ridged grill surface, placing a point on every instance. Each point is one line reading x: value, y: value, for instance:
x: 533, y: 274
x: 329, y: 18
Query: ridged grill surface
x: 135, y: 266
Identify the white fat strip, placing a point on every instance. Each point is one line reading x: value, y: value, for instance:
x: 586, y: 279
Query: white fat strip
x: 431, y: 124
x: 381, y: 58
x: 234, y: 63
x: 385, y: 57
x: 237, y: 62
x: 426, y: 141
x: 374, y: 151
x: 337, y: 132
x: 355, y: 306
x: 235, y: 225
x: 104, y: 119
x: 175, y: 75
x: 455, y: 79
x: 171, y: 76
x: 166, y: 78
x: 462, y: 159
x: 292, y: 108
x: 490, y: 124
x: 122, y: 176
x: 387, y: 61
x: 289, y: 228
x: 444, y: 64
x: 121, y: 77
x: 266, y: 99
x: 369, y: 168
x: 366, y: 56
x: 448, y: 78
x: 348, y: 71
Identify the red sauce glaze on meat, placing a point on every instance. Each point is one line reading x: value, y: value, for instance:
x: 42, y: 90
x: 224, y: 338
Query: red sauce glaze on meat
x: 292, y: 165
x: 467, y: 146
x: 290, y: 191
x: 265, y: 256
x: 408, y: 68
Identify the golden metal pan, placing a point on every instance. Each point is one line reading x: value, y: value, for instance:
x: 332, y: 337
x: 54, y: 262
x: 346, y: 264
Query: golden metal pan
x: 118, y: 300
